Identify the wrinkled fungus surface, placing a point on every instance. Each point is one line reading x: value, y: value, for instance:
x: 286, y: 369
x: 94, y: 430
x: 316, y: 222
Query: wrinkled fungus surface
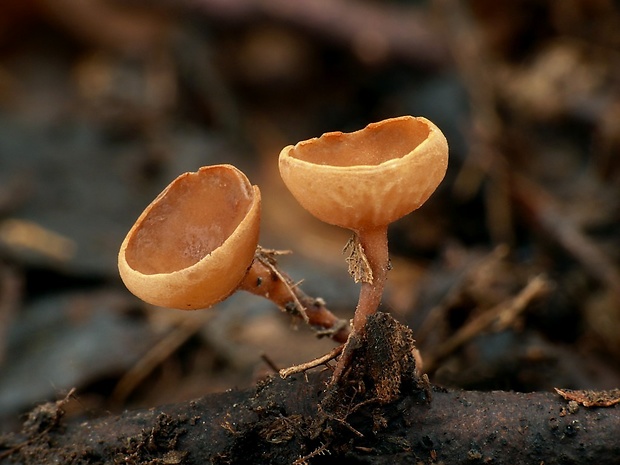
x: 367, y: 178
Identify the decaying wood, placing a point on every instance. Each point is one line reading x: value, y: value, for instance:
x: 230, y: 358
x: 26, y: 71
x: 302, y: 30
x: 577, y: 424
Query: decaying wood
x: 375, y: 415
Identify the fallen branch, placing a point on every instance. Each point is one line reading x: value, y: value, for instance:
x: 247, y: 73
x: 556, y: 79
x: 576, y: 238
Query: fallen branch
x: 501, y: 316
x: 267, y: 424
x: 378, y: 420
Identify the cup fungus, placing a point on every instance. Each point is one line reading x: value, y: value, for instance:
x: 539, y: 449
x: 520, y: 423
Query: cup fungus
x: 192, y: 246
x: 197, y: 243
x: 363, y: 181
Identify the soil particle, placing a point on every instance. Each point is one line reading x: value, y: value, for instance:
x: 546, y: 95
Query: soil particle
x: 154, y: 446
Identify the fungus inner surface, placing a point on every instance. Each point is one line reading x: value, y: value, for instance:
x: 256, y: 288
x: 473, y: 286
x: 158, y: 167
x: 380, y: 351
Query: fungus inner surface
x: 191, y: 218
x: 373, y: 145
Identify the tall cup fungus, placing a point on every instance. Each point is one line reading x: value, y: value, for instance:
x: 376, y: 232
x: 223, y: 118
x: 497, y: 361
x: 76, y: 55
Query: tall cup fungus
x: 368, y: 178
x: 365, y: 180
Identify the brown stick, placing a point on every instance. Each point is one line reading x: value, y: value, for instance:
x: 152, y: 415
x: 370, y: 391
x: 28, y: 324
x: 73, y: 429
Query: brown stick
x: 271, y: 423
x: 502, y: 315
x: 266, y: 280
x: 384, y: 414
x: 303, y: 367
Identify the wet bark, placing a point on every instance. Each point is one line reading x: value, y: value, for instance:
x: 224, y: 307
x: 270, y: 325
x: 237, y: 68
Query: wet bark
x: 366, y: 419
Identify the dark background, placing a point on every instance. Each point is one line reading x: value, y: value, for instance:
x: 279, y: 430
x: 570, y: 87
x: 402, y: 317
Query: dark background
x: 103, y: 103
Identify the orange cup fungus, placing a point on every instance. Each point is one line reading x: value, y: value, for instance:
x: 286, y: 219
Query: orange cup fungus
x: 193, y: 245
x: 370, y: 177
x: 363, y: 181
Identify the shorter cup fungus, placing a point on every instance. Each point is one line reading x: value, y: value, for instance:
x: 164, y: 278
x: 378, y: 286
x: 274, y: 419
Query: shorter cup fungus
x: 193, y: 245
x: 197, y: 243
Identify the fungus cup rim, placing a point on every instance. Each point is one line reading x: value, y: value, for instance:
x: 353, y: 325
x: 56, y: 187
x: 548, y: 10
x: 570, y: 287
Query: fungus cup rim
x: 325, y: 138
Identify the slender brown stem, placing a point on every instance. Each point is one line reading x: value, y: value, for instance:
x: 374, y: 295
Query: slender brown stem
x: 266, y: 280
x: 375, y: 248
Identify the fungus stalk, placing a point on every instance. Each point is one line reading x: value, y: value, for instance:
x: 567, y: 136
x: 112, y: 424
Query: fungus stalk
x: 266, y: 280
x: 374, y: 246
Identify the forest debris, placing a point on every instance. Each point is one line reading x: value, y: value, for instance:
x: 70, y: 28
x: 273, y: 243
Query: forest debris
x: 359, y: 268
x: 590, y: 398
x: 15, y: 191
x: 484, y: 282
x: 563, y: 76
x: 543, y: 209
x: 39, y: 422
x: 374, y: 32
x: 602, y: 320
x: 501, y: 427
x: 23, y: 234
x: 68, y: 340
x: 155, y: 356
x: 286, y: 372
x: 113, y: 25
x: 11, y: 284
x: 497, y: 318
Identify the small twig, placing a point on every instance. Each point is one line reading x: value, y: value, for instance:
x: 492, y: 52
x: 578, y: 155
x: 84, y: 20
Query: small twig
x: 22, y: 234
x: 267, y: 258
x: 270, y: 363
x: 154, y: 358
x: 286, y: 372
x: 501, y: 316
x: 321, y: 450
x: 474, y: 273
x: 544, y: 210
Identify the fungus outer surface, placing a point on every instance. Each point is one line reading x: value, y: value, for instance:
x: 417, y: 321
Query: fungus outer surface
x: 370, y: 177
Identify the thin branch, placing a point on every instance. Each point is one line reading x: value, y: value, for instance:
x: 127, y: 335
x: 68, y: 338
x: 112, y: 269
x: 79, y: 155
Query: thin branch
x: 456, y: 427
x: 286, y: 372
x: 500, y: 316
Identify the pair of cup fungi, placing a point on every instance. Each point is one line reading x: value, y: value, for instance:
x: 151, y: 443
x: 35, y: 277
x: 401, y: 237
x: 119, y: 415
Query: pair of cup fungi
x: 197, y: 242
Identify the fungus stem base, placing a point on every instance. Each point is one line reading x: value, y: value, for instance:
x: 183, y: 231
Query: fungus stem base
x: 375, y: 248
x: 266, y: 280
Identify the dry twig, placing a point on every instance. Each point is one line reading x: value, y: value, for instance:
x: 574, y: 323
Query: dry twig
x: 497, y: 318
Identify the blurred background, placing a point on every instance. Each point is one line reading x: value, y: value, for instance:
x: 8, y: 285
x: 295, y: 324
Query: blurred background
x: 508, y: 275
